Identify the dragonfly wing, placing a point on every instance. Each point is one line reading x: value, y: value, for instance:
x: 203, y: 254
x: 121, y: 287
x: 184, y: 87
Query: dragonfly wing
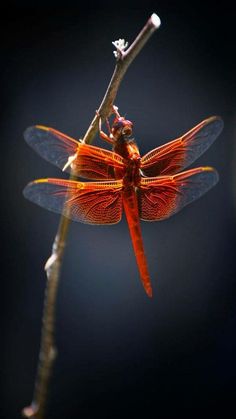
x: 70, y: 155
x: 50, y: 144
x: 89, y: 203
x: 97, y: 163
x: 174, y: 156
x: 163, y: 196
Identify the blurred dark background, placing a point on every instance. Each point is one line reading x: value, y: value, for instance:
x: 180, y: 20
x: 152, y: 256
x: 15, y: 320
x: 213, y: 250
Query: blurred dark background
x: 120, y: 354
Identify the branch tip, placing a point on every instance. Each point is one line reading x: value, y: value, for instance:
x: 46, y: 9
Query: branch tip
x: 155, y: 20
x: 30, y: 411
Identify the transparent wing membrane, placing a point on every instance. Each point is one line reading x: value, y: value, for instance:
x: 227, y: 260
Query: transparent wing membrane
x: 50, y: 144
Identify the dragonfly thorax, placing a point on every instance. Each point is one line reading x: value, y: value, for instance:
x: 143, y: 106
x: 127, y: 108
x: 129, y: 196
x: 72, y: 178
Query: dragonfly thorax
x: 128, y: 149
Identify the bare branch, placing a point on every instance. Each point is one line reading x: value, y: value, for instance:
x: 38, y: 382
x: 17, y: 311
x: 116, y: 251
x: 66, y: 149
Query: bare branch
x: 124, y: 59
x: 53, y: 265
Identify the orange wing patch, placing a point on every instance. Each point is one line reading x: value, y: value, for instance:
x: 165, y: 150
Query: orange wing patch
x: 90, y: 203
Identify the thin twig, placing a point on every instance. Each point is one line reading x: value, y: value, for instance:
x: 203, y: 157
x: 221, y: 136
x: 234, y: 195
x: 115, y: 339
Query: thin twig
x: 124, y: 59
x: 53, y: 265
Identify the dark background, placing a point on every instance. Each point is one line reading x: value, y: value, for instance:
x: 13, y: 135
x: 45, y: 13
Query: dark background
x: 120, y: 353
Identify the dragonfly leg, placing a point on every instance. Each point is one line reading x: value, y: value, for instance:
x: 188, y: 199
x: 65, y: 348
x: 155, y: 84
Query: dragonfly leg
x: 102, y: 134
x: 115, y: 111
x: 108, y: 125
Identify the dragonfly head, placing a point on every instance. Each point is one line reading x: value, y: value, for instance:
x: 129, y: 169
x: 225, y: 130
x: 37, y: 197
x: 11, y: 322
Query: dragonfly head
x: 121, y: 127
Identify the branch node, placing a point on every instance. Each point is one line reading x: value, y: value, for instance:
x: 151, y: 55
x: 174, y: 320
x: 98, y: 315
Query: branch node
x: 120, y: 45
x: 53, y: 353
x: 50, y: 262
x: 30, y: 411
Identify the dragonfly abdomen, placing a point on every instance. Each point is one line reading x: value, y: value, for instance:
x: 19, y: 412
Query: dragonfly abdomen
x: 130, y: 204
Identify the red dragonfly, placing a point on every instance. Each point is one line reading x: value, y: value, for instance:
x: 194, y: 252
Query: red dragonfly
x: 149, y: 188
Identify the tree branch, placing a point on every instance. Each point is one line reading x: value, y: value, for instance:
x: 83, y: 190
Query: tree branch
x: 124, y: 59
x: 54, y: 264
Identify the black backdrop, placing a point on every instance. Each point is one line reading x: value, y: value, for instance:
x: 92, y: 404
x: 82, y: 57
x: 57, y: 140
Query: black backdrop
x: 120, y: 354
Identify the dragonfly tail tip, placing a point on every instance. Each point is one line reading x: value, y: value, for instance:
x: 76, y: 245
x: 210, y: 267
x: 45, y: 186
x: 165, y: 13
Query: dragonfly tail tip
x: 149, y: 291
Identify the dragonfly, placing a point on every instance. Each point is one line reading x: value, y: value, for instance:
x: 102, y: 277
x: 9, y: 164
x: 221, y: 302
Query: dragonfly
x: 149, y: 188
